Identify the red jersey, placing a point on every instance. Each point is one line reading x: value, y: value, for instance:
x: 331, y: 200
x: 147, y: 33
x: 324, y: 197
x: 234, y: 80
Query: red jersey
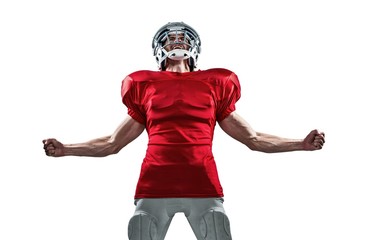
x: 180, y: 111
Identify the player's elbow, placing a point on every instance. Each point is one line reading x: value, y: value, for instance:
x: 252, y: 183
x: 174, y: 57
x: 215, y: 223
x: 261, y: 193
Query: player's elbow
x: 255, y: 143
x: 252, y: 143
x: 114, y: 148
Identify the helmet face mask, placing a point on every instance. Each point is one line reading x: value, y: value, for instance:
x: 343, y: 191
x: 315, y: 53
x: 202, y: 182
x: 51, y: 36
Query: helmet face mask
x: 176, y: 41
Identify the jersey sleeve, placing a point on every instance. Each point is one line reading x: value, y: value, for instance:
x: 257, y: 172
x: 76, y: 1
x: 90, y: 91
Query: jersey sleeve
x: 131, y: 98
x: 229, y: 95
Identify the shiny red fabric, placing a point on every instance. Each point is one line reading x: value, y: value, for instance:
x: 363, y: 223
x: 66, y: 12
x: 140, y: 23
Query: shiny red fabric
x: 180, y: 111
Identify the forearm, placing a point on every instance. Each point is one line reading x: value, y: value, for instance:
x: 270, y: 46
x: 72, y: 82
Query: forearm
x: 273, y: 144
x: 99, y: 147
x: 128, y: 130
x: 239, y: 129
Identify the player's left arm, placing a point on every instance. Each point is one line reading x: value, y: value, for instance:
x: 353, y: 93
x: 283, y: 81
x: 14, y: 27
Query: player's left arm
x: 238, y: 128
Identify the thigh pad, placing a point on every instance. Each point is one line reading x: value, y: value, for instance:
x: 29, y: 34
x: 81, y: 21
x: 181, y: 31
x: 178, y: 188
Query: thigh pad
x: 142, y: 226
x: 215, y: 225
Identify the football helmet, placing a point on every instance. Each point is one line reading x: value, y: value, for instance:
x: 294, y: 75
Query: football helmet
x: 175, y: 33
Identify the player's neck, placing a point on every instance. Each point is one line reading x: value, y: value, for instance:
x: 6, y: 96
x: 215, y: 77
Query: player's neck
x: 177, y: 66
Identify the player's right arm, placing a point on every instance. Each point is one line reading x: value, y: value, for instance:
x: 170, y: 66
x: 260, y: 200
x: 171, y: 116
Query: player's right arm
x: 127, y: 131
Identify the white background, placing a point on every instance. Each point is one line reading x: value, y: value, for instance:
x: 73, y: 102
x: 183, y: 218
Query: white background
x: 302, y: 65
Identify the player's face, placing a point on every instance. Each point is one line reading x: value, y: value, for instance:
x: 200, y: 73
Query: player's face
x: 176, y: 41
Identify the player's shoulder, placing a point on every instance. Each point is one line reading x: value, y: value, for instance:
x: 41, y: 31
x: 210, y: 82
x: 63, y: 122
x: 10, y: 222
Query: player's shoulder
x: 136, y: 79
x: 142, y: 75
x: 221, y: 76
x: 219, y: 72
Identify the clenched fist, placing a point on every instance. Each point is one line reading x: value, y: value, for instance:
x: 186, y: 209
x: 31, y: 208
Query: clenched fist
x: 53, y: 148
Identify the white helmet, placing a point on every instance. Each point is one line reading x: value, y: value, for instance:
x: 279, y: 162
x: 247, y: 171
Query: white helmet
x: 161, y: 40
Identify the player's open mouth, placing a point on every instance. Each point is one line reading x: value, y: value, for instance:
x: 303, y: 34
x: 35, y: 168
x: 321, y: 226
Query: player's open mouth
x: 178, y: 46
